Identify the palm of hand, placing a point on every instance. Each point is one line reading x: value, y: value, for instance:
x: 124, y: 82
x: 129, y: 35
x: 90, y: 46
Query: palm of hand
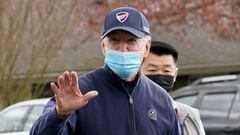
x: 68, y: 95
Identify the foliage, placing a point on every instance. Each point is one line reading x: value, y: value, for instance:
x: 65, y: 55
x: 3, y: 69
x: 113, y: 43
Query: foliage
x: 220, y: 16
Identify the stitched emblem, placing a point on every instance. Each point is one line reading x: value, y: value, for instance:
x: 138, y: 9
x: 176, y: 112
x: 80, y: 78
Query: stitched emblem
x: 152, y: 114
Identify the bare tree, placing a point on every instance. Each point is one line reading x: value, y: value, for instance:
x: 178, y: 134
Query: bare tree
x: 31, y: 34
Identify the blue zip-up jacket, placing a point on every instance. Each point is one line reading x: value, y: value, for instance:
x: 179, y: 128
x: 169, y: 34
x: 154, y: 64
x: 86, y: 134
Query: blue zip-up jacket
x: 143, y: 108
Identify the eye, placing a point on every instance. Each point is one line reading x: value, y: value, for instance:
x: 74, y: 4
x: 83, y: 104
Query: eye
x: 152, y: 71
x: 167, y: 71
x: 132, y: 41
x: 113, y: 39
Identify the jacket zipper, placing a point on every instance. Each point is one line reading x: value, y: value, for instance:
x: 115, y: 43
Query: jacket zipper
x: 132, y: 115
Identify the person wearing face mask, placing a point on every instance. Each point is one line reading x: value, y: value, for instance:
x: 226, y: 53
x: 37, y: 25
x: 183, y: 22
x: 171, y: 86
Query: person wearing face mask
x: 115, y: 99
x: 161, y: 67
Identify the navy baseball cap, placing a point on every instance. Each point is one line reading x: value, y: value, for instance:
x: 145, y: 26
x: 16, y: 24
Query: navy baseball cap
x: 128, y: 19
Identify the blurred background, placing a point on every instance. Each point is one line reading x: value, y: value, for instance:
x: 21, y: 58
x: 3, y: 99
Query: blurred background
x: 41, y: 39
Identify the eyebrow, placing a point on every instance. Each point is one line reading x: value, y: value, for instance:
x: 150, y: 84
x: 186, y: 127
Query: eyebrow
x: 155, y: 66
x: 167, y: 66
x: 152, y: 65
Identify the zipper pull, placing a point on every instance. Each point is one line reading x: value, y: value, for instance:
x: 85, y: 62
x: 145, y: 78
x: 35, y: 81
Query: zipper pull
x: 130, y: 99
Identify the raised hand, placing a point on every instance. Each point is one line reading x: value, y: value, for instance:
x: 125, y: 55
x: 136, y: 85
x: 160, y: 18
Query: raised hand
x: 68, y: 96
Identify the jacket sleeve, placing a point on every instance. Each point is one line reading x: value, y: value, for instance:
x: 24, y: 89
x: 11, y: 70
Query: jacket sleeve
x: 50, y: 124
x: 199, y: 121
x: 176, y: 130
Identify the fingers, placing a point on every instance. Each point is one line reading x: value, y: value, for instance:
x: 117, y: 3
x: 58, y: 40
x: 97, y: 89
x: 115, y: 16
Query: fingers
x: 61, y: 83
x: 55, y: 88
x: 90, y: 95
x: 74, y: 78
x: 64, y: 81
x: 67, y: 80
x: 74, y: 82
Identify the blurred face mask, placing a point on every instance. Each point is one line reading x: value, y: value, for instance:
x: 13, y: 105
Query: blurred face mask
x: 124, y: 64
x: 165, y: 81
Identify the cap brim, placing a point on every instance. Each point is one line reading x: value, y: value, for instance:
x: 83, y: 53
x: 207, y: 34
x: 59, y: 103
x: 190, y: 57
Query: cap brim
x: 135, y: 32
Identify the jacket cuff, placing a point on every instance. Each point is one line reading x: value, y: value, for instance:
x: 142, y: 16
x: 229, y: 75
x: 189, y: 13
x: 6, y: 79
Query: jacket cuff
x: 56, y: 120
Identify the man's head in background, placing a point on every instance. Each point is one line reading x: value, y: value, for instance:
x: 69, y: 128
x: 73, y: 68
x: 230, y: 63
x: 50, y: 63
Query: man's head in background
x: 161, y: 64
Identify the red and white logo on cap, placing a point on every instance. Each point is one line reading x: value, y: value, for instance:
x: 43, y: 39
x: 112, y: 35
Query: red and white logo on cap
x: 122, y: 16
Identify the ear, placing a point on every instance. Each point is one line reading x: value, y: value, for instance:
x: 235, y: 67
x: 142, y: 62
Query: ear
x: 103, y: 48
x: 176, y: 73
x: 147, y: 49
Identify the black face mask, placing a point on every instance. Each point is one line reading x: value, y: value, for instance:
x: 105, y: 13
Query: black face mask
x: 165, y: 81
